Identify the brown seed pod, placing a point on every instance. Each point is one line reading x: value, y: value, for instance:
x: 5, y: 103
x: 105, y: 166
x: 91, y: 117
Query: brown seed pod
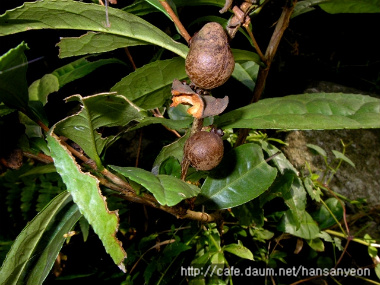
x: 204, y: 150
x: 209, y: 62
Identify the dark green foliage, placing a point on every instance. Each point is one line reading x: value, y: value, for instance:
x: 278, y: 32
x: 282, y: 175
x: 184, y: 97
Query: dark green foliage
x: 265, y: 213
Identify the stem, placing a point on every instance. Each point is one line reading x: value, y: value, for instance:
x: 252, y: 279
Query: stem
x: 176, y: 21
x: 363, y: 242
x: 255, y: 44
x: 332, y: 214
x: 197, y: 126
x: 281, y: 26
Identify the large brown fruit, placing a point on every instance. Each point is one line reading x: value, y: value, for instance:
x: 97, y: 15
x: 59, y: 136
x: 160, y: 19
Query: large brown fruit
x: 209, y: 62
x: 204, y: 150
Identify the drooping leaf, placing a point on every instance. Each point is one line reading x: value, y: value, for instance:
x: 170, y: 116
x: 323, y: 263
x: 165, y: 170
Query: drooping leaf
x: 67, y: 14
x: 5, y: 110
x: 168, y: 190
x: 323, y: 215
x: 86, y: 193
x: 317, y: 149
x: 13, y: 84
x: 41, y: 88
x: 246, y: 73
x: 308, y: 228
x: 238, y: 250
x: 315, y: 111
x: 295, y: 198
x: 343, y: 157
x: 36, y: 248
x: 171, y: 124
x: 174, y: 150
x: 49, y: 83
x: 91, y: 43
x: 351, y: 6
x: 305, y: 6
x: 150, y: 86
x: 101, y: 110
x: 242, y: 56
x: 242, y: 176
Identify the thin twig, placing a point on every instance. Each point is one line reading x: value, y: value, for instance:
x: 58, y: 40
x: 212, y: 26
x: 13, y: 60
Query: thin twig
x: 157, y: 113
x: 40, y: 157
x: 281, y: 26
x: 176, y: 21
x: 255, y: 44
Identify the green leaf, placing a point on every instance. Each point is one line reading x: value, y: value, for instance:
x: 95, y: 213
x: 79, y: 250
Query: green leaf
x: 142, y: 7
x: 238, y: 250
x: 86, y: 193
x: 244, y: 55
x: 351, y: 6
x: 323, y: 216
x: 308, y: 228
x: 343, y: 157
x: 41, y: 169
x: 317, y: 149
x: 168, y: 190
x: 80, y: 68
x: 174, y: 149
x: 92, y: 42
x: 49, y: 83
x: 246, y: 73
x: 149, y: 86
x: 35, y: 249
x: 242, y: 176
x: 171, y: 124
x: 171, y: 166
x: 66, y: 14
x: 305, y: 6
x: 306, y: 112
x: 5, y: 110
x: 295, y: 198
x: 13, y: 85
x: 316, y: 244
x: 101, y: 110
x: 41, y: 88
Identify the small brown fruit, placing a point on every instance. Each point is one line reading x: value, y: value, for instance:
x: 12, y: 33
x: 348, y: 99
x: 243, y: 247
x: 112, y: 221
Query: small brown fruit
x: 204, y: 150
x: 209, y: 62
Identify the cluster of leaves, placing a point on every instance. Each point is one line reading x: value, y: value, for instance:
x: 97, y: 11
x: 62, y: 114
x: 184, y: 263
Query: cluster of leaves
x: 250, y: 177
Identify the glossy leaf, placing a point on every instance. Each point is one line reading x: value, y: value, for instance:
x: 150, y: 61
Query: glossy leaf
x: 175, y: 149
x: 171, y: 124
x: 238, y: 250
x: 149, y: 86
x: 295, y: 196
x: 168, y: 190
x: 86, y: 193
x: 242, y: 56
x: 101, y: 110
x: 91, y: 43
x: 308, y: 228
x: 246, y: 73
x: 323, y: 215
x: 35, y: 250
x: 351, y: 6
x: 66, y: 14
x: 242, y: 176
x: 142, y: 7
x: 305, y: 6
x: 13, y: 84
x: 315, y: 111
x: 49, y: 83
